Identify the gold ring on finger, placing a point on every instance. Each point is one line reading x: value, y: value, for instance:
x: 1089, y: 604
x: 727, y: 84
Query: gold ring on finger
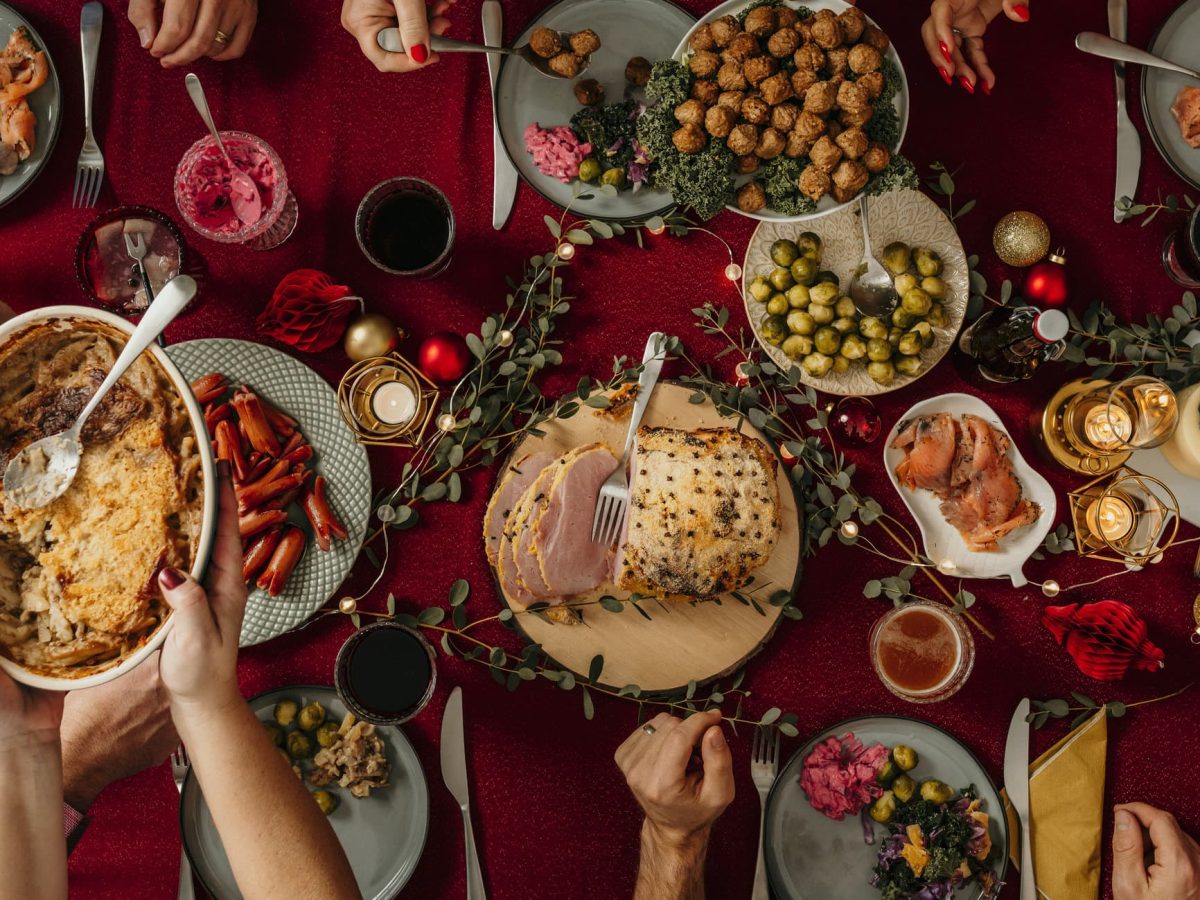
x: 649, y: 729
x: 221, y: 37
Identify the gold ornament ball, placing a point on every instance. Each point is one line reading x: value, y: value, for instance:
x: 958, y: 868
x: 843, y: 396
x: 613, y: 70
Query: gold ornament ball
x: 370, y: 335
x: 348, y: 605
x: 1021, y: 238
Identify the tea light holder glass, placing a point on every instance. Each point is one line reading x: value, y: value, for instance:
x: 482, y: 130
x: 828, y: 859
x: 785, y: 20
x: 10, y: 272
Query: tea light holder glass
x: 386, y: 401
x: 1124, y: 517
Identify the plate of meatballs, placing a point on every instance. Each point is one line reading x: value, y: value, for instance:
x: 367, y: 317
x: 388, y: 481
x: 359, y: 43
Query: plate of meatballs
x: 817, y: 83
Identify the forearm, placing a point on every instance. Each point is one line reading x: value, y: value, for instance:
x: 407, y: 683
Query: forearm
x: 278, y: 842
x: 671, y: 869
x: 33, y: 851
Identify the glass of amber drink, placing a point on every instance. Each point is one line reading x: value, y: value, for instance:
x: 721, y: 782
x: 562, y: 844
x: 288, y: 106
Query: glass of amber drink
x: 922, y: 651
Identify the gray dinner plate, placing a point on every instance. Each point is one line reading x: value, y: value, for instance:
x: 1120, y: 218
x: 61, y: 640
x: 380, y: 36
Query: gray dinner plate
x: 1178, y: 40
x: 812, y: 857
x: 46, y: 103
x: 383, y: 834
x: 627, y: 28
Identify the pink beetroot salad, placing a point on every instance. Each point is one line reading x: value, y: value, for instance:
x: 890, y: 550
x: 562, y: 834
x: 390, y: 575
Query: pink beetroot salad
x: 839, y: 775
x: 557, y: 151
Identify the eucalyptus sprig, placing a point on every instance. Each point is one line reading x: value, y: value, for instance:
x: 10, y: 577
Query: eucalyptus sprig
x: 942, y: 183
x: 1169, y: 204
x: 1045, y: 710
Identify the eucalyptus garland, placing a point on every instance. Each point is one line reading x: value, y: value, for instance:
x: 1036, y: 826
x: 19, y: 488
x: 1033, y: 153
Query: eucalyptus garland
x: 1084, y: 707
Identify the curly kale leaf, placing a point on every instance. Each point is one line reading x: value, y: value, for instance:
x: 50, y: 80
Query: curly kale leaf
x: 779, y: 177
x: 670, y: 83
x: 604, y: 127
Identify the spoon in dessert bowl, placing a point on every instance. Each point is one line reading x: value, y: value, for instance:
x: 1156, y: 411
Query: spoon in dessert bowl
x: 43, y: 470
x: 243, y: 192
x: 871, y: 288
x: 389, y: 40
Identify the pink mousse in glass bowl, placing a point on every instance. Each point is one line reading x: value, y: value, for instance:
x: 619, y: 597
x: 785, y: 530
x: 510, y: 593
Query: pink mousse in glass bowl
x: 204, y: 191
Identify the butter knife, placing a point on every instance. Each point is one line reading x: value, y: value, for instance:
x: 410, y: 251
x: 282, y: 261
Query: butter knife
x: 1016, y: 783
x: 504, y: 174
x: 1129, y: 147
x: 454, y: 773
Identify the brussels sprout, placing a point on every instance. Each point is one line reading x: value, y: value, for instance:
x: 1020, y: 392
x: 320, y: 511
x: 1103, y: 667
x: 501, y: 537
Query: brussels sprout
x: 936, y: 791
x: 827, y: 341
x: 327, y: 734
x: 888, y: 773
x: 817, y: 364
x: 325, y: 801
x: 902, y: 318
x: 798, y: 346
x: 916, y: 302
x: 760, y: 288
x: 904, y: 787
x: 879, y: 350
x: 822, y: 315
x: 784, y: 252
x: 934, y: 287
x: 804, y: 270
x: 275, y: 732
x: 908, y: 365
x: 840, y: 364
x: 845, y: 307
x: 884, y: 807
x: 781, y: 279
x: 810, y: 244
x: 938, y: 317
x: 872, y: 327
x: 910, y: 344
x: 827, y: 277
x: 924, y: 331
x: 778, y: 305
x: 853, y: 347
x: 299, y: 745
x: 883, y: 373
x: 844, y: 325
x: 894, y: 335
x: 615, y: 177
x: 774, y: 330
x: 904, y: 283
x: 928, y: 261
x: 897, y: 257
x: 800, y: 322
x: 589, y: 170
x: 797, y: 296
x: 285, y: 712
x: 311, y: 716
x: 906, y: 757
x: 823, y: 294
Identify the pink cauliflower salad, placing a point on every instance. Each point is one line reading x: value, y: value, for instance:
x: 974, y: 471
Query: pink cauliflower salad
x: 557, y: 151
x: 839, y: 776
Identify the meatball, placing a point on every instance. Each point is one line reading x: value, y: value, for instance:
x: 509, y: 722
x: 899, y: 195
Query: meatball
x: 770, y: 143
x: 755, y: 110
x: 827, y: 30
x: 741, y: 48
x: 544, y: 42
x: 760, y: 21
x: 851, y: 95
x: 724, y: 30
x: 853, y: 23
x: 809, y: 56
x: 873, y: 83
x: 704, y: 63
x: 853, y: 142
x: 849, y: 178
x: 731, y: 100
x: 804, y: 29
x: 719, y: 121
x: 585, y: 43
x: 784, y: 116
x: 802, y: 80
x: 637, y: 71
x: 758, y: 69
x: 783, y: 43
x: 689, y: 139
x: 705, y: 91
x: 786, y: 17
x: 825, y: 154
x: 589, y: 92
x: 565, y: 64
x: 875, y: 38
x: 852, y: 117
x: 742, y: 140
x: 865, y: 58
x: 797, y: 145
x: 702, y: 38
x: 813, y: 183
x: 751, y: 197
x: 809, y: 125
x: 837, y: 61
x: 820, y: 98
x: 746, y: 164
x: 690, y: 112
x: 876, y: 158
x: 834, y: 128
x: 730, y: 77
x: 777, y: 88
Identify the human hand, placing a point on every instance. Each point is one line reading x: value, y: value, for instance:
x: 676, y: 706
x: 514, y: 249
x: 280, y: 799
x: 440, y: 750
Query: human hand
x: 366, y: 18
x: 679, y: 804
x: 1175, y: 873
x: 115, y: 730
x: 191, y: 29
x: 28, y: 717
x: 953, y: 36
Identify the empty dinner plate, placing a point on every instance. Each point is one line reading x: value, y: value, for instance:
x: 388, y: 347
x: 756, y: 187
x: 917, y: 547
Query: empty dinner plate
x: 1177, y: 40
x: 383, y: 834
x: 46, y: 104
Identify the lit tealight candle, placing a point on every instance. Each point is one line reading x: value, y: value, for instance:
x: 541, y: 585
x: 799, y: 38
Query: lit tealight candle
x: 394, y: 403
x: 1111, y: 518
x: 1107, y: 426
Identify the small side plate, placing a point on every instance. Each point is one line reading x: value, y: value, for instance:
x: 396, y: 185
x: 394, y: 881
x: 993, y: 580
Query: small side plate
x: 46, y: 103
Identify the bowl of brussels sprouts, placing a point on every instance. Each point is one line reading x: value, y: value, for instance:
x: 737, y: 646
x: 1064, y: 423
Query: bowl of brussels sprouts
x: 795, y: 283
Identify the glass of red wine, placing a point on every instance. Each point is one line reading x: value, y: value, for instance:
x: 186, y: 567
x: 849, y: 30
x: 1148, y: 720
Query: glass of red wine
x: 385, y: 673
x: 406, y: 227
x: 1181, y: 253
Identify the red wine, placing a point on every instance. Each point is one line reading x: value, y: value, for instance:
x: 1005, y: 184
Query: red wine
x: 408, y: 231
x: 386, y: 671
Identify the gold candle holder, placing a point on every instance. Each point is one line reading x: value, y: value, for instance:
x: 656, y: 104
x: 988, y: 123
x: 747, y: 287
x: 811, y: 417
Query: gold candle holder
x: 1124, y: 517
x: 386, y: 401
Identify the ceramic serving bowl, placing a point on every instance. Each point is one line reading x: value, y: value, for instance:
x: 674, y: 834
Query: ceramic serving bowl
x: 209, y: 487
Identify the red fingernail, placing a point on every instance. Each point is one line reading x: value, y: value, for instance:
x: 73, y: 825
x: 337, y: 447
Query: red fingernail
x: 419, y: 53
x: 967, y: 86
x: 1022, y: 12
x: 945, y: 51
x: 171, y: 578
x: 945, y: 76
x: 986, y: 89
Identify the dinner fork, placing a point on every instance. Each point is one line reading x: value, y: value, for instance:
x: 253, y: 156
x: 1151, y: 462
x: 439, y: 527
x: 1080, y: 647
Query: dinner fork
x: 764, y: 763
x: 179, y: 769
x: 135, y: 246
x: 89, y: 170
x: 613, y: 500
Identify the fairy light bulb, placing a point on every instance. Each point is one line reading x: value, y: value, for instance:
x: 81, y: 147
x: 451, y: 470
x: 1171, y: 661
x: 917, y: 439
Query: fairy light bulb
x: 1051, y: 588
x: 657, y: 229
x: 504, y: 338
x: 348, y: 605
x: 566, y: 251
x: 849, y: 529
x: 947, y: 567
x: 445, y: 422
x: 786, y: 455
x: 733, y: 271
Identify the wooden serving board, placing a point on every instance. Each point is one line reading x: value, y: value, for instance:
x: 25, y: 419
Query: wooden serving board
x: 682, y: 642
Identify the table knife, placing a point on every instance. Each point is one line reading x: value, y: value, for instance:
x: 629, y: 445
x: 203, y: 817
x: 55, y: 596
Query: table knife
x: 1016, y: 783
x: 454, y: 773
x: 1129, y: 148
x: 504, y: 174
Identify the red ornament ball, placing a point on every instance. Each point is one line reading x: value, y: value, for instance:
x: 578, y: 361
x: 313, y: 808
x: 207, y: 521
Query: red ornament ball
x: 855, y: 422
x: 1046, y: 283
x: 444, y: 357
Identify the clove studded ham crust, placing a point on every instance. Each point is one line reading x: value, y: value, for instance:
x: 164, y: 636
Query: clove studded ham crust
x: 77, y: 588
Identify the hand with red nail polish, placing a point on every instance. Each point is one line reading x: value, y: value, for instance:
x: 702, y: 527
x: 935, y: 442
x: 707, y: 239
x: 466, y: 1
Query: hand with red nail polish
x: 366, y: 18
x: 954, y: 34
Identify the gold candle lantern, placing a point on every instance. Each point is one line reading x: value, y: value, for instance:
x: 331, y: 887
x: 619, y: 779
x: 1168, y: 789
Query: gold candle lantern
x: 1125, y: 517
x: 1093, y: 426
x: 387, y: 401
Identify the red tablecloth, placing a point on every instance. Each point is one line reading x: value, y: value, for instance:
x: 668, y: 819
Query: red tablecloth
x: 552, y: 815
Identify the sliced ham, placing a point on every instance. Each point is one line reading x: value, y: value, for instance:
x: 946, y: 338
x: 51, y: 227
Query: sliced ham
x: 521, y: 535
x: 517, y: 477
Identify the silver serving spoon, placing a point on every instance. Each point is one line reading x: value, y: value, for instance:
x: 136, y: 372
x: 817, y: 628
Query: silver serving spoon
x: 871, y: 288
x: 243, y: 195
x: 1102, y: 45
x: 389, y: 40
x: 45, y: 469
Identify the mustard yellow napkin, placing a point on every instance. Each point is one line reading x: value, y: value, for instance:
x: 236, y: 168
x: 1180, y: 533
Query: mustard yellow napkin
x: 1066, y: 803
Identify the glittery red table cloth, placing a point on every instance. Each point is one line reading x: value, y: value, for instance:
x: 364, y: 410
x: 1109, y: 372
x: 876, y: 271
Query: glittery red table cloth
x: 552, y: 815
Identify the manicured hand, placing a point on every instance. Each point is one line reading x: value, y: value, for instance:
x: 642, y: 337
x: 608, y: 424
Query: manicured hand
x: 366, y: 18
x: 679, y: 804
x: 189, y: 28
x: 115, y: 730
x: 961, y: 56
x: 199, y: 656
x: 1175, y: 873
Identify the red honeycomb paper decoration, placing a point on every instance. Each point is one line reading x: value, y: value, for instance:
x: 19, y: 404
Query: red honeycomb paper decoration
x: 308, y: 311
x: 1105, y: 638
